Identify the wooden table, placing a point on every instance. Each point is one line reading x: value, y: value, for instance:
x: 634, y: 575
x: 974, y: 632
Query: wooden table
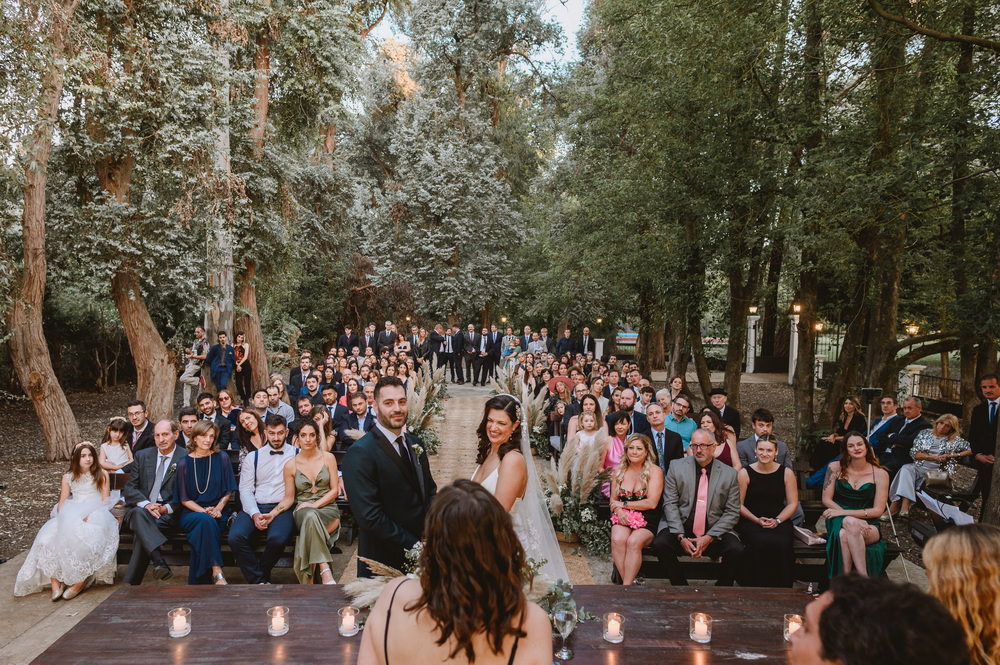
x: 230, y: 626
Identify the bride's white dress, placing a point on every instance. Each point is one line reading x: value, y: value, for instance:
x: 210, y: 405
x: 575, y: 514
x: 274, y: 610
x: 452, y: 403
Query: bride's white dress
x: 70, y: 549
x: 537, y: 545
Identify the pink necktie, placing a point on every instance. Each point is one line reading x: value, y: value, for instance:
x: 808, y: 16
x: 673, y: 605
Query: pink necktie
x: 701, y: 506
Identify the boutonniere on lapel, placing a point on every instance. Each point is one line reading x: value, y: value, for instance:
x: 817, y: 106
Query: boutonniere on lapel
x: 417, y: 450
x: 173, y: 467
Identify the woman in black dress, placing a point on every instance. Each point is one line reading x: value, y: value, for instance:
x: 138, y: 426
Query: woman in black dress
x: 769, y: 498
x: 849, y: 420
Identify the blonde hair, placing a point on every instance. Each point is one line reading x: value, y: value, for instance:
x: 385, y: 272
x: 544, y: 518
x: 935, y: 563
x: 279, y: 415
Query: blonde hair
x: 647, y: 465
x: 951, y: 421
x: 963, y: 568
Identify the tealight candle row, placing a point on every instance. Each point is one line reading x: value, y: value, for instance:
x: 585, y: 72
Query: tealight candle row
x: 699, y: 627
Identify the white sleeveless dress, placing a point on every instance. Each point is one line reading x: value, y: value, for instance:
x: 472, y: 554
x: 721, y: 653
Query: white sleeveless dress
x: 69, y: 549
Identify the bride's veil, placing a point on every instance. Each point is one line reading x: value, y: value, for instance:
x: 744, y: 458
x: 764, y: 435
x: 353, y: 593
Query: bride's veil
x: 534, y: 524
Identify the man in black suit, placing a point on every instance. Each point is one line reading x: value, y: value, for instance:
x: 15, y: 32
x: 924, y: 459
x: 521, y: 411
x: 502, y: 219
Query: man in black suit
x: 357, y: 418
x: 639, y: 423
x: 297, y: 377
x: 586, y: 344
x: 187, y: 417
x: 897, y: 452
x: 525, y: 339
x: 888, y: 423
x: 983, y: 435
x: 494, y: 348
x: 481, y: 362
x: 565, y: 343
x: 139, y: 431
x: 348, y: 340
x: 730, y: 416
x: 437, y: 340
x: 368, y: 340
x: 207, y: 406
x: 151, y: 504
x: 386, y: 338
x: 453, y: 342
x: 668, y: 445
x: 470, y: 351
x: 388, y: 481
x: 550, y: 344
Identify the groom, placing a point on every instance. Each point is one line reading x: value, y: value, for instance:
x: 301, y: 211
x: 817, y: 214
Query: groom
x: 388, y: 483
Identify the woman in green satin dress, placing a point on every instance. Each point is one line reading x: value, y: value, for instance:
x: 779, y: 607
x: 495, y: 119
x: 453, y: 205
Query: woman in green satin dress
x: 855, y: 492
x: 312, y: 483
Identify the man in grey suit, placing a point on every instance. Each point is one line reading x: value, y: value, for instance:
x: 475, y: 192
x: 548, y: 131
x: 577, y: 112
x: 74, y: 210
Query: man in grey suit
x: 151, y: 501
x: 763, y: 423
x: 701, y: 506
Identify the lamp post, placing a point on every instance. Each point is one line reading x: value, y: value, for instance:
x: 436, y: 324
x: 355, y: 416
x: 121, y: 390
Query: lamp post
x: 752, y: 320
x: 793, y: 341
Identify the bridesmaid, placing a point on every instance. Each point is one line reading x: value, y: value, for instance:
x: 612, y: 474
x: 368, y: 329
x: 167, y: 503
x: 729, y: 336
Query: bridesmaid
x: 312, y: 481
x: 205, y: 482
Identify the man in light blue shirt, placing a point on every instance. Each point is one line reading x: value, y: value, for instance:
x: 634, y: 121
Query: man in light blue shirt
x: 678, y: 420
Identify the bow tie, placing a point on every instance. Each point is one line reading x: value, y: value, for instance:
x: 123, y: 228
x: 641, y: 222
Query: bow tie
x: 277, y: 452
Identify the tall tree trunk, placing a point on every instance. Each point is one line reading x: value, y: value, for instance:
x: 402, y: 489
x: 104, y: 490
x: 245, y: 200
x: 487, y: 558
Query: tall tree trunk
x: 154, y: 364
x: 700, y: 363
x: 29, y: 351
x: 248, y: 321
x: 769, y: 319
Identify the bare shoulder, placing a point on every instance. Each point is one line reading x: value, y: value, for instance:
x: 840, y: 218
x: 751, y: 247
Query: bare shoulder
x: 513, y: 460
x: 881, y: 475
x: 536, y: 622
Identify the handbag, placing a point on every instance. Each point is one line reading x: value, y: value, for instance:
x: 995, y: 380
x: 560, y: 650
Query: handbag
x: 937, y: 478
x: 807, y: 536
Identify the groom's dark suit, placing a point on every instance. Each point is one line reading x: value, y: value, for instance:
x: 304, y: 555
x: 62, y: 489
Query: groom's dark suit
x: 148, y: 530
x: 389, y: 497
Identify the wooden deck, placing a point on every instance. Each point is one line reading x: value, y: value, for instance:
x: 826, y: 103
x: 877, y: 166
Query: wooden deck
x: 230, y: 626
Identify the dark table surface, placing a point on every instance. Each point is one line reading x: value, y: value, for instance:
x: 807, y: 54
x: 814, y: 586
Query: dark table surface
x: 230, y: 626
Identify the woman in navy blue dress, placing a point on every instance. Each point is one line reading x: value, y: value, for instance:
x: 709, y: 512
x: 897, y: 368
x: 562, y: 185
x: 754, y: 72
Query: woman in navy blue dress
x: 205, y: 482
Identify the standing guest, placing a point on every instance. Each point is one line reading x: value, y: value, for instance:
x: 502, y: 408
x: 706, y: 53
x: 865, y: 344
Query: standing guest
x: 536, y: 345
x: 437, y: 340
x: 678, y: 420
x: 115, y: 453
x: 242, y: 369
x: 983, y: 435
x: 458, y: 353
x: 139, y: 432
x: 725, y: 452
x: 152, y: 502
x: 390, y: 484
x: 701, y: 506
x: 874, y: 621
x: 762, y: 421
x: 262, y: 487
x: 963, y: 568
x: 636, y: 505
x: 769, y: 497
x: 468, y: 603
x: 510, y: 353
x: 481, y: 362
x: 368, y: 339
x: 195, y: 356
x: 422, y: 349
x: 855, y: 493
x: 250, y: 435
x: 547, y: 341
x: 77, y: 546
x: 897, y: 451
x: 209, y: 412
x: 276, y: 406
x: 587, y: 344
x: 297, y: 377
x: 221, y: 361
x: 386, y: 338
x: 524, y: 340
x: 347, y: 340
x: 720, y: 404
x: 495, y: 347
x: 668, y: 445
x: 312, y: 483
x: 934, y: 448
x: 888, y: 423
x: 565, y: 344
x: 677, y: 386
x: 205, y: 481
x: 470, y: 351
x: 849, y: 420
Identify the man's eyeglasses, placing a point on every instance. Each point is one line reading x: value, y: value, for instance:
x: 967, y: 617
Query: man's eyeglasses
x: 701, y: 446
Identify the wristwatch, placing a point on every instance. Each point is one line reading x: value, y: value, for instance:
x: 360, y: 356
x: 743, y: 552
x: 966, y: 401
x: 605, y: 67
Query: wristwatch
x: 777, y: 520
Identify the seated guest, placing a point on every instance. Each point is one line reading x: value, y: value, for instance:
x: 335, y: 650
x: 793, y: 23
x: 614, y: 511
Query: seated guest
x: 359, y: 419
x: 935, y: 448
x: 587, y: 403
x: 115, y: 453
x: 139, y: 432
x: 277, y: 406
x: 249, y: 433
x: 855, y: 493
x: 152, y: 502
x: 205, y: 481
x: 720, y: 404
x: 636, y: 496
x: 875, y: 621
x: 769, y: 496
x: 888, y: 423
x: 701, y: 506
x: 762, y: 421
x: 304, y: 408
x: 667, y: 444
x: 677, y: 420
x: 897, y: 445
x: 262, y: 487
x: 209, y: 412
x: 620, y: 427
x: 725, y: 452
x: 312, y: 485
x: 321, y: 416
x: 963, y: 568
x: 187, y: 417
x: 849, y: 420
x: 465, y: 607
x: 77, y: 546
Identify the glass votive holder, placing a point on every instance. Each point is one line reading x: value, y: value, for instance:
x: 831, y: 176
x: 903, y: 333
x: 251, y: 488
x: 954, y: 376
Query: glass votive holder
x: 614, y: 628
x: 792, y: 623
x: 348, y: 621
x: 179, y: 621
x: 700, y: 627
x: 277, y: 621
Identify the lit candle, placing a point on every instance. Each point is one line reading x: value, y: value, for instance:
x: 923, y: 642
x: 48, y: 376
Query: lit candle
x: 179, y: 623
x: 278, y: 623
x: 614, y: 628
x: 348, y: 623
x: 792, y: 623
x: 700, y: 629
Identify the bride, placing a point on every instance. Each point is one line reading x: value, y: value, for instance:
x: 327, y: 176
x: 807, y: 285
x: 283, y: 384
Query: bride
x: 506, y: 470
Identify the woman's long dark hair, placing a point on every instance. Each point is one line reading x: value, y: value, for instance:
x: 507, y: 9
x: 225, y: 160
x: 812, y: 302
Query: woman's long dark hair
x: 597, y: 406
x: 508, y: 405
x: 471, y: 569
x: 243, y: 434
x: 845, y: 457
x: 117, y: 424
x: 76, y: 471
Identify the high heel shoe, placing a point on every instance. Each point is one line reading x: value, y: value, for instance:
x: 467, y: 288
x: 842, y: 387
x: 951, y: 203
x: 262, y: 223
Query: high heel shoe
x: 324, y: 574
x: 220, y: 579
x: 57, y: 591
